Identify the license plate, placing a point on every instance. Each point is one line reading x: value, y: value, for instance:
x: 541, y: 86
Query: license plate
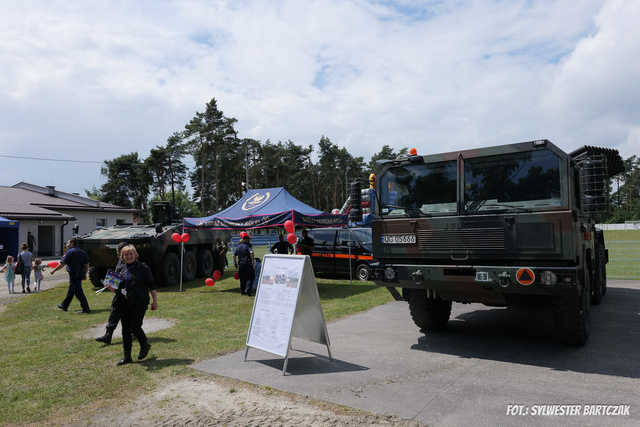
x: 399, y: 239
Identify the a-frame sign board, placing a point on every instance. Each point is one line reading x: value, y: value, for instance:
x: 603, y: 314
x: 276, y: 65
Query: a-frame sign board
x: 287, y: 305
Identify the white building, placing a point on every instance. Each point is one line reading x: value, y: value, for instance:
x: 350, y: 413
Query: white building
x: 50, y: 215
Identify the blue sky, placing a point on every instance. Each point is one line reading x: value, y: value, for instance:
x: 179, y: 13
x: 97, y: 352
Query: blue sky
x: 94, y: 80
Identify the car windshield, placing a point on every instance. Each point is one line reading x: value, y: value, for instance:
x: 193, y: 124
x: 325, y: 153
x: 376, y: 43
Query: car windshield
x: 512, y: 182
x: 419, y: 189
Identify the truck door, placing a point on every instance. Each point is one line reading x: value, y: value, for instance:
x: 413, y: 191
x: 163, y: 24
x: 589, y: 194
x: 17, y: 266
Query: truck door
x: 323, y: 250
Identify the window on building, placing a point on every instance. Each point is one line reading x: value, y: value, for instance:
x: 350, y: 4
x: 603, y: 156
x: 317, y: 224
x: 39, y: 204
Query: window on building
x: 120, y: 221
x: 101, y: 222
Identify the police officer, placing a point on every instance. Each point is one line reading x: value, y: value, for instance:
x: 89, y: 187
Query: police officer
x: 116, y: 313
x: 77, y: 263
x: 282, y: 247
x: 243, y: 261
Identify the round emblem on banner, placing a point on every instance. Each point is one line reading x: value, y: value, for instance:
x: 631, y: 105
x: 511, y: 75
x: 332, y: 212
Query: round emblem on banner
x: 255, y: 201
x: 525, y: 276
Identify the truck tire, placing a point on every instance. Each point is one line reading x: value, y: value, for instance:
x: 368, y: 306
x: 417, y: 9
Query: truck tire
x: 96, y: 275
x: 363, y: 272
x: 205, y: 263
x: 573, y: 315
x: 170, y: 269
x: 601, y: 264
x: 429, y: 314
x: 189, y: 266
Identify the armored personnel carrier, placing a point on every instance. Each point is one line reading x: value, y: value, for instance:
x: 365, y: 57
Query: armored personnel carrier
x: 156, y: 249
x: 502, y: 226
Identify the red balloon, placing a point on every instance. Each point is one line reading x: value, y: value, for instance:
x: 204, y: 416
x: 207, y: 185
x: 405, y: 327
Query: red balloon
x: 292, y: 238
x: 217, y: 275
x: 185, y: 237
x: 209, y: 282
x: 176, y: 237
x: 288, y: 226
x: 236, y: 276
x: 53, y: 264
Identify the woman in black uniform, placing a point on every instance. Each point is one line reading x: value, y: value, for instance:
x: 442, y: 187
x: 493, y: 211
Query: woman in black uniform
x: 133, y: 300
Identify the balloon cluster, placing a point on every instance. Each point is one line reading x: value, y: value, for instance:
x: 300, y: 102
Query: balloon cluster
x: 217, y: 275
x: 177, y: 237
x: 290, y: 228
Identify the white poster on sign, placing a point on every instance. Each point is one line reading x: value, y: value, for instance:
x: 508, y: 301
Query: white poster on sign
x: 287, y: 304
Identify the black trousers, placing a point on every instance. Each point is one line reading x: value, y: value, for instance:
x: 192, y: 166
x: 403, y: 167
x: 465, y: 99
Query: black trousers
x: 132, y: 317
x: 75, y: 289
x: 245, y: 271
x: 114, y: 317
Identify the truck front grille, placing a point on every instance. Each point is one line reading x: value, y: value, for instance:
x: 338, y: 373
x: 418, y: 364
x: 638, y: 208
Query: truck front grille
x: 462, y: 239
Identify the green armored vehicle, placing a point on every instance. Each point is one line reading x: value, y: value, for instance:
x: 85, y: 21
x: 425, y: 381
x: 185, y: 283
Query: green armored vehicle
x: 156, y: 248
x: 502, y: 226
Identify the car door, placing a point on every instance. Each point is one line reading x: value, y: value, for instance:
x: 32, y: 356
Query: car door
x: 345, y: 246
x: 323, y: 251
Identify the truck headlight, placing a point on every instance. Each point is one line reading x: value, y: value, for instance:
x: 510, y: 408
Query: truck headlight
x: 389, y: 274
x: 548, y: 278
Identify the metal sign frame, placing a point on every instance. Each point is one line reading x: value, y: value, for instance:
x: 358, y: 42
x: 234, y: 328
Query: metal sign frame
x: 308, y: 319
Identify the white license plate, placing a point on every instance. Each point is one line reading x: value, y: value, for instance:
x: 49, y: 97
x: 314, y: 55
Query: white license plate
x: 399, y: 239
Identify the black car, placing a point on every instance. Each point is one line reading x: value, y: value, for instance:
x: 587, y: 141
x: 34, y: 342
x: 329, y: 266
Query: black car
x: 331, y: 249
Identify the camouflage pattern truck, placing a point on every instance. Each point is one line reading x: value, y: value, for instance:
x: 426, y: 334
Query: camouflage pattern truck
x: 502, y: 226
x: 156, y: 249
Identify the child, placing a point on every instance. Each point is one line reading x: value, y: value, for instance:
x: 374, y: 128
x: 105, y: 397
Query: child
x: 10, y: 276
x: 38, y: 268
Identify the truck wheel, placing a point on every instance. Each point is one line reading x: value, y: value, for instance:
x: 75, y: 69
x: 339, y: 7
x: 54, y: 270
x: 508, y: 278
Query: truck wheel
x: 170, y: 269
x: 205, y: 263
x: 573, y: 315
x: 96, y: 275
x: 601, y: 262
x: 429, y: 314
x: 363, y: 272
x: 189, y: 266
x: 596, y: 291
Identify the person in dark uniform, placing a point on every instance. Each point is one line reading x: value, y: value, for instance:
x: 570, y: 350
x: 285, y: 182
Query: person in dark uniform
x: 133, y: 300
x: 115, y: 315
x: 77, y: 263
x: 282, y: 247
x: 305, y: 246
x: 243, y: 261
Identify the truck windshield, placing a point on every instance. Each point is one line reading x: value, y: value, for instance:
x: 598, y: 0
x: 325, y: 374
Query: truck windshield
x: 419, y: 189
x: 512, y: 182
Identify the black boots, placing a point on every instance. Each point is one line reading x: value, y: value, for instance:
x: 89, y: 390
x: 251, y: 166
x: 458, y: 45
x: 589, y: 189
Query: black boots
x: 144, y: 350
x: 106, y: 338
x: 124, y: 361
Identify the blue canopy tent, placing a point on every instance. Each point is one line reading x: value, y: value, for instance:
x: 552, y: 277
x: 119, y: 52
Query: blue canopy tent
x: 266, y: 207
x: 8, y: 238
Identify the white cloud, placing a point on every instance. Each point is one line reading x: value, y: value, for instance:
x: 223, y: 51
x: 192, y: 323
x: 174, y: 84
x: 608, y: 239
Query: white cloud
x: 96, y: 80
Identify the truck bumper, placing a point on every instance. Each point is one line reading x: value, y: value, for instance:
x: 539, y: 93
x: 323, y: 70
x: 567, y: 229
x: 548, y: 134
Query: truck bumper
x: 487, y: 284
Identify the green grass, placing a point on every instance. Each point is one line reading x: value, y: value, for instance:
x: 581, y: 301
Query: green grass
x: 624, y: 254
x: 47, y: 370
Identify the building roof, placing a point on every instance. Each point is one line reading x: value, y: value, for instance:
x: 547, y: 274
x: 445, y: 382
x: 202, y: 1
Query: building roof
x: 29, y: 201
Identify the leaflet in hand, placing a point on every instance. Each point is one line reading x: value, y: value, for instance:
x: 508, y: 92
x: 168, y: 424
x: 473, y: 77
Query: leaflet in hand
x: 112, y: 280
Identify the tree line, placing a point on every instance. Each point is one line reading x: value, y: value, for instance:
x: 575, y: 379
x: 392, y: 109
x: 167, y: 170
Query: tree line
x: 226, y: 165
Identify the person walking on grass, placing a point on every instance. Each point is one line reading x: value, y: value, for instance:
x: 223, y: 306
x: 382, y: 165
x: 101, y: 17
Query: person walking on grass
x: 243, y: 261
x: 133, y: 301
x: 77, y: 263
x: 38, y: 268
x: 9, y: 269
x: 25, y: 257
x: 116, y: 313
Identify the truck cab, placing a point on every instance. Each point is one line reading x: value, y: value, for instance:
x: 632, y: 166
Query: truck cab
x: 505, y: 225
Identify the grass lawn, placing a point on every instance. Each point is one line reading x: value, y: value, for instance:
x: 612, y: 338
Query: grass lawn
x: 624, y: 253
x: 46, y: 369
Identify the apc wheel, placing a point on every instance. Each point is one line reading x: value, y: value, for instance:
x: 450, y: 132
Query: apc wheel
x: 170, y: 269
x: 205, y: 263
x: 189, y: 266
x: 96, y: 275
x: 573, y: 314
x: 363, y: 272
x: 601, y: 274
x: 429, y: 314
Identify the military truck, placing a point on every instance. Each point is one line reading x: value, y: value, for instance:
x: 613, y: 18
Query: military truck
x: 156, y: 248
x: 502, y: 226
